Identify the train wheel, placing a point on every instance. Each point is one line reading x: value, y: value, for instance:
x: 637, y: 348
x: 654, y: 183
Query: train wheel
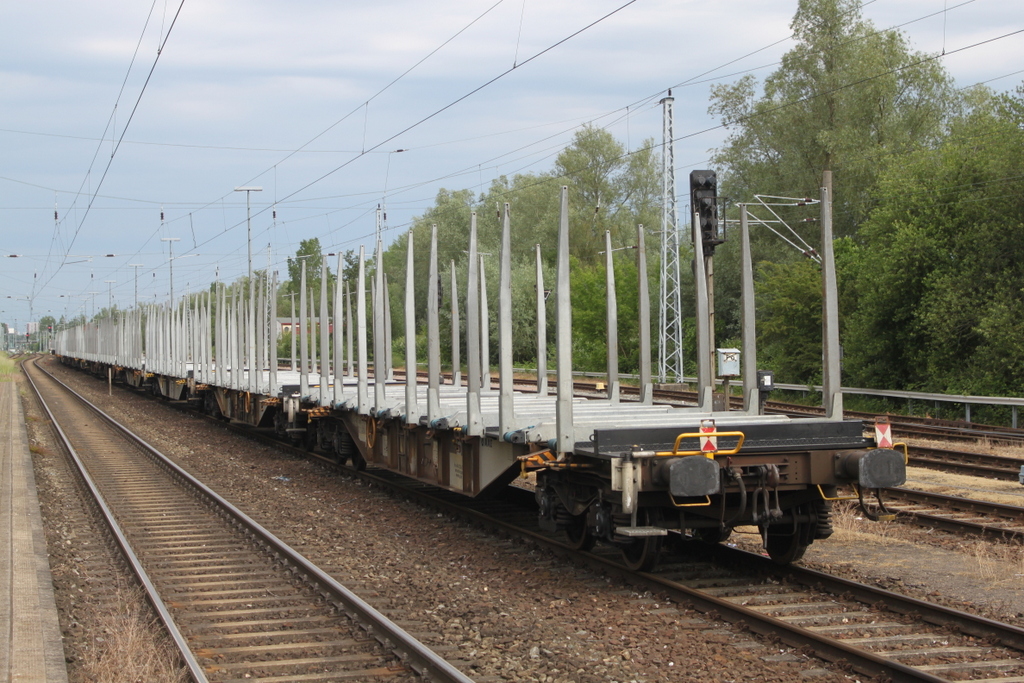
x: 785, y: 548
x: 309, y: 438
x: 344, y: 446
x: 641, y: 555
x: 712, y: 535
x: 787, y: 543
x: 578, y: 533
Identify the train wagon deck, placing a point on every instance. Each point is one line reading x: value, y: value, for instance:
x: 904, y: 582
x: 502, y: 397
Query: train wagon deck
x: 629, y: 473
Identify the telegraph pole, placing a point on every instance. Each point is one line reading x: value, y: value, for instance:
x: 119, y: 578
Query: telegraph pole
x: 110, y: 295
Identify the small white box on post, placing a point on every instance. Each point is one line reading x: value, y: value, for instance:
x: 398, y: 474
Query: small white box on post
x: 728, y: 367
x: 728, y: 362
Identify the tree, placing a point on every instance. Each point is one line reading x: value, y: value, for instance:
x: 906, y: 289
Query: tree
x: 608, y: 190
x: 789, y: 329
x: 623, y: 188
x: 846, y: 97
x: 310, y: 252
x: 941, y: 305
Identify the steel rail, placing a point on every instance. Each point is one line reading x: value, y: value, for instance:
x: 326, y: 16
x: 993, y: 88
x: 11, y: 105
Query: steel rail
x: 965, y: 462
x: 153, y: 595
x: 970, y: 624
x: 420, y: 658
x: 1009, y: 514
x: 830, y: 649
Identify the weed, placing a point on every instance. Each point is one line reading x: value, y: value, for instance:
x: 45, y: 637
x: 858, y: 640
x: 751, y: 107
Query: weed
x: 1000, y: 563
x: 7, y: 368
x: 122, y: 649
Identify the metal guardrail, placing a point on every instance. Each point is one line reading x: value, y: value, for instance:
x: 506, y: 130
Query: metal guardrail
x: 966, y: 400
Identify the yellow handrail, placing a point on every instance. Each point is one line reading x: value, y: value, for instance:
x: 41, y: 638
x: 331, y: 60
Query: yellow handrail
x: 824, y: 497
x: 707, y: 501
x: 675, y: 452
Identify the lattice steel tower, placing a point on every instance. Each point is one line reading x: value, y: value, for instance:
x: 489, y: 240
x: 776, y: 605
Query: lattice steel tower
x: 670, y: 350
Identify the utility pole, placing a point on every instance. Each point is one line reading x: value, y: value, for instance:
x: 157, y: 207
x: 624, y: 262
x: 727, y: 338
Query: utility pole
x: 170, y: 261
x: 670, y: 349
x: 248, y: 220
x: 136, y: 266
x: 110, y: 295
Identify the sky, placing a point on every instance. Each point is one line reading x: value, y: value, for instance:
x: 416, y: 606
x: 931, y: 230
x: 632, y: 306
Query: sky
x: 125, y: 127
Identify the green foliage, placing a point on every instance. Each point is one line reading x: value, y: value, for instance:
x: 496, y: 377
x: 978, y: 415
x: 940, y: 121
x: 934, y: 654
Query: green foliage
x: 942, y: 270
x: 789, y: 324
x: 284, y: 346
x: 309, y: 252
x: 845, y: 98
x: 927, y: 211
x: 609, y: 190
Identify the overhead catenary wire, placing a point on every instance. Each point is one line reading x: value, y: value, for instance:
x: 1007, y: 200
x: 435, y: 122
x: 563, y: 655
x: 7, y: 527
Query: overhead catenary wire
x: 110, y: 161
x: 691, y: 81
x: 436, y: 112
x: 395, y: 190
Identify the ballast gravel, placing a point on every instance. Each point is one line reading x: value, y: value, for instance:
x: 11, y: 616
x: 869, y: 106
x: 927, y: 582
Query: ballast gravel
x: 499, y: 609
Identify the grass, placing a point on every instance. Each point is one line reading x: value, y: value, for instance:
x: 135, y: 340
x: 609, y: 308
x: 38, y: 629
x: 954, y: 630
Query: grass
x: 979, y: 488
x: 999, y: 564
x: 7, y: 367
x: 850, y: 525
x: 122, y: 649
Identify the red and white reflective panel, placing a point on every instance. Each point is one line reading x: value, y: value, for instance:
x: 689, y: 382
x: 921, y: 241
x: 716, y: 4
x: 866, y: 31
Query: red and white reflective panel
x: 883, y: 434
x: 708, y: 444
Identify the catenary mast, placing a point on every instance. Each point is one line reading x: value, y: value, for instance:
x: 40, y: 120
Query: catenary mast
x: 670, y: 349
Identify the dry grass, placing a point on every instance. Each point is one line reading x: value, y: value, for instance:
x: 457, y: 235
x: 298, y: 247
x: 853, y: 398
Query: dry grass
x: 1000, y: 563
x: 851, y: 526
x: 123, y: 651
x: 982, y: 445
x: 979, y: 488
x: 7, y: 367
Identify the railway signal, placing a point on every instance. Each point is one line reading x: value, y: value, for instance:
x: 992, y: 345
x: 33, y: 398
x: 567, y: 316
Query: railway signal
x: 704, y: 202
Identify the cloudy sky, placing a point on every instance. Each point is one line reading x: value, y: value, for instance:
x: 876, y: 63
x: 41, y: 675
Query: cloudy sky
x: 311, y: 100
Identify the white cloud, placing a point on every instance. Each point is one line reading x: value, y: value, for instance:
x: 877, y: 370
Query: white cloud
x: 266, y: 74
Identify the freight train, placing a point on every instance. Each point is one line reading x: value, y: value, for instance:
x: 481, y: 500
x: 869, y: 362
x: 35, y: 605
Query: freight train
x: 627, y: 473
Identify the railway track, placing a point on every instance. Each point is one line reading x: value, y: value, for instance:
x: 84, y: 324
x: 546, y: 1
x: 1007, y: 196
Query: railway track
x: 876, y: 632
x: 966, y: 462
x: 239, y: 603
x: 959, y: 515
